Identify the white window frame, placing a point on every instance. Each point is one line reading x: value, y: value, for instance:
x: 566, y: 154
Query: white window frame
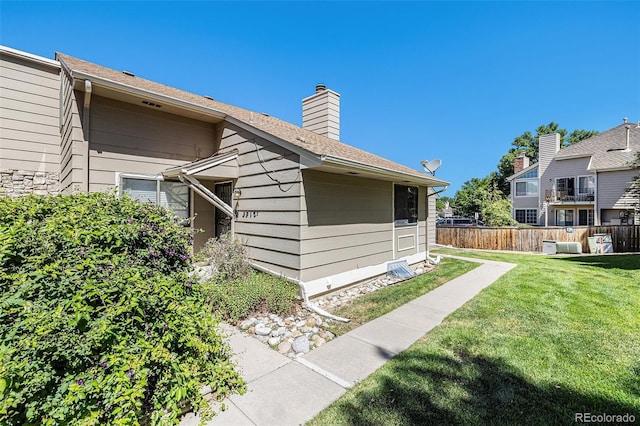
x: 405, y: 222
x: 593, y: 189
x: 573, y: 213
x: 591, y: 216
x: 527, y: 216
x: 527, y: 193
x: 531, y: 174
x: 120, y: 177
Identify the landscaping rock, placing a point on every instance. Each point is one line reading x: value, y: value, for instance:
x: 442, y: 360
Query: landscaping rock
x: 318, y: 341
x: 299, y: 333
x: 301, y: 344
x: 246, y: 324
x: 284, y: 347
x: 273, y: 341
x: 262, y: 330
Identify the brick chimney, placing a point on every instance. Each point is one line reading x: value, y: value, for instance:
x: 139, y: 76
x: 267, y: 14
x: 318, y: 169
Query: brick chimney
x: 321, y: 112
x: 520, y: 163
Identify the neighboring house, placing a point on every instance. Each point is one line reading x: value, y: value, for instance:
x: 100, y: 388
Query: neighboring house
x: 306, y: 205
x: 582, y: 184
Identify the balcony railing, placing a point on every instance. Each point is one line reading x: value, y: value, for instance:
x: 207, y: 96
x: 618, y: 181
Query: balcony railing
x: 552, y: 196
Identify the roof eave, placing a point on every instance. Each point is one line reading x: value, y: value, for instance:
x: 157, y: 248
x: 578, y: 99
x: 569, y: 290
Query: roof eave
x: 521, y: 172
x: 335, y: 161
x: 610, y: 169
x: 572, y: 156
x: 29, y: 56
x: 127, y: 89
x: 307, y: 158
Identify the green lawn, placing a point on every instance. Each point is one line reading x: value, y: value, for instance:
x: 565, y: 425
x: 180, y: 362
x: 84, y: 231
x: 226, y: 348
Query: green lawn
x: 380, y: 302
x: 553, y: 337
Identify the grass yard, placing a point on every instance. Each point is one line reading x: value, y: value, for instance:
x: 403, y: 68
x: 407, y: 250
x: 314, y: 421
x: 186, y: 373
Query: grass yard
x: 378, y: 303
x: 553, y: 337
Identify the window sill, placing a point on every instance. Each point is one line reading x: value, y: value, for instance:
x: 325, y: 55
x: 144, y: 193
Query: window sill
x: 405, y: 225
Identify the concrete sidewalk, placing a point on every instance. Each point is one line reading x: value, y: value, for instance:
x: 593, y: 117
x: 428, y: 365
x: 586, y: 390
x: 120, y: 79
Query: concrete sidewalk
x: 282, y: 391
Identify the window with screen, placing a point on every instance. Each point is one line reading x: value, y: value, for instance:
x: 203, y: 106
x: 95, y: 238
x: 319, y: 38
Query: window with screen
x: 172, y: 195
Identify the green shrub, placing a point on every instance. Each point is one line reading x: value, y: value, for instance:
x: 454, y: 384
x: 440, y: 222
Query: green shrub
x: 238, y: 298
x: 99, y: 322
x: 227, y: 254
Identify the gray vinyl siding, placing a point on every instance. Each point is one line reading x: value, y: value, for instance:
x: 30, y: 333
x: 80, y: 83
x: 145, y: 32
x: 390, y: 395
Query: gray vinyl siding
x: 525, y: 202
x: 30, y: 115
x: 567, y: 168
x: 72, y: 138
x: 431, y: 220
x: 562, y: 169
x: 135, y: 139
x: 611, y: 189
x: 268, y: 209
x: 347, y: 223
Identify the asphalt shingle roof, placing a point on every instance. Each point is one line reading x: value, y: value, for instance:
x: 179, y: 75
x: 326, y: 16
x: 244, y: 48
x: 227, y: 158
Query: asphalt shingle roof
x: 607, y: 148
x: 311, y: 142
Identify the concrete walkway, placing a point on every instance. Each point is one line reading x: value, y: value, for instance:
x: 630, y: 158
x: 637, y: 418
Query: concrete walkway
x: 282, y: 391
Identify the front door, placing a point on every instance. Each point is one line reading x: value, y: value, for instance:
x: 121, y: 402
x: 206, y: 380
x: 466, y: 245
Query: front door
x: 223, y: 222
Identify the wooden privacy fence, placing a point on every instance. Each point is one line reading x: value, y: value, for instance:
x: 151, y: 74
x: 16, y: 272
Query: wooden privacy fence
x: 625, y: 238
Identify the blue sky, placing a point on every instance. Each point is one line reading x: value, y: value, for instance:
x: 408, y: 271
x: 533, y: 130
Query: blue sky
x: 418, y: 80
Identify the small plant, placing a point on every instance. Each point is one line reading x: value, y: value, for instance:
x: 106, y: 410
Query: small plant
x: 99, y: 320
x: 228, y: 255
x: 238, y: 298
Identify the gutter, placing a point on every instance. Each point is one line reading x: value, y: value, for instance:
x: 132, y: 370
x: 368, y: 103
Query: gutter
x: 29, y: 56
x: 344, y: 162
x: 313, y: 307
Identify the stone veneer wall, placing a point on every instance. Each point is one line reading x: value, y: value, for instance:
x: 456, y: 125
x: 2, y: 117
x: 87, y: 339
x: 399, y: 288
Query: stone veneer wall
x: 17, y: 183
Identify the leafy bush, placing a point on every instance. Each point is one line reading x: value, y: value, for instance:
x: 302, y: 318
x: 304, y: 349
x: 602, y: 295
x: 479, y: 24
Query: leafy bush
x: 99, y: 322
x: 227, y: 254
x: 238, y: 298
x: 238, y: 290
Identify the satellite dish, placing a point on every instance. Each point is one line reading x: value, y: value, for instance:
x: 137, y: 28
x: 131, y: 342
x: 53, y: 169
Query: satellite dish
x: 431, y: 166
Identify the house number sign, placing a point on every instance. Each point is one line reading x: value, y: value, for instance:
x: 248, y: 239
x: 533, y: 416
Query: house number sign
x: 246, y: 214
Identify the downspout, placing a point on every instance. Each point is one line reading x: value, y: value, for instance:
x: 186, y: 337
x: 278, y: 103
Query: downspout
x: 303, y: 290
x: 85, y: 126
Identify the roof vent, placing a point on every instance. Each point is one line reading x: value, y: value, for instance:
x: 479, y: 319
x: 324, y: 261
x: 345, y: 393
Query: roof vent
x: 152, y: 104
x: 320, y: 88
x: 208, y: 97
x: 129, y: 73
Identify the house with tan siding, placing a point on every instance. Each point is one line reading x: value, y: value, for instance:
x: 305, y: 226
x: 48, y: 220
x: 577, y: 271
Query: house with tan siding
x: 584, y: 184
x: 306, y: 205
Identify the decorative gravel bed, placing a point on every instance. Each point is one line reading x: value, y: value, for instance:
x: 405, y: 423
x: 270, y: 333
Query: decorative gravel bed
x: 305, y: 330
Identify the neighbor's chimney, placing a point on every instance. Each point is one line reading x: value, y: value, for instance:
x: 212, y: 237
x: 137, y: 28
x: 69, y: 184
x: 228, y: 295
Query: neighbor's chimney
x: 520, y: 163
x: 321, y: 112
x: 548, y: 147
